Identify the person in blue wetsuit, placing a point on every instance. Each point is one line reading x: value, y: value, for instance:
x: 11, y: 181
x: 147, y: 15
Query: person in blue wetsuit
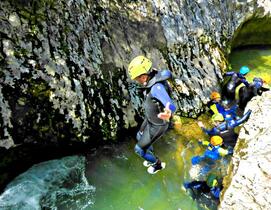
x: 212, y: 185
x: 214, y: 151
x: 236, y: 79
x: 225, y: 128
x: 215, y: 106
x: 158, y: 106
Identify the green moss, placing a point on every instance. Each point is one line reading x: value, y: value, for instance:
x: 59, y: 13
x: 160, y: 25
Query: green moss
x: 203, y: 39
x: 40, y: 90
x: 240, y: 148
x: 20, y: 52
x: 227, y: 180
x: 189, y: 129
x: 44, y: 128
x: 22, y: 101
x: 26, y: 14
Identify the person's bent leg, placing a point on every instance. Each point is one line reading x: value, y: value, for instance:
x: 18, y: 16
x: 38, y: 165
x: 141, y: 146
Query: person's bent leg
x: 148, y: 156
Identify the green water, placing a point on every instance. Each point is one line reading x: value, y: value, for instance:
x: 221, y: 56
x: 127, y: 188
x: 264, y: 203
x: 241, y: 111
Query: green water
x: 258, y: 60
x: 122, y: 182
x: 113, y: 178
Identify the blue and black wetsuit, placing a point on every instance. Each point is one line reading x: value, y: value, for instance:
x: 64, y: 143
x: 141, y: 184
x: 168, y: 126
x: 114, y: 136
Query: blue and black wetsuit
x: 215, y: 107
x: 202, y: 187
x: 157, y: 96
x: 247, y: 93
x: 236, y: 79
x: 212, y: 186
x: 226, y: 129
x: 211, y: 155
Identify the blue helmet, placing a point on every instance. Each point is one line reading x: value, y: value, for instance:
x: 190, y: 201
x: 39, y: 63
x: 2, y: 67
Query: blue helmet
x: 244, y: 70
x: 257, y: 82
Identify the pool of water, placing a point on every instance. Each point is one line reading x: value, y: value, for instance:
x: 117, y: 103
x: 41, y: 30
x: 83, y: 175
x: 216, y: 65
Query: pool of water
x: 122, y: 182
x: 112, y: 178
x: 258, y: 60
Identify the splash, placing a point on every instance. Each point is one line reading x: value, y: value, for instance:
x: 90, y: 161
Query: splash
x: 55, y: 184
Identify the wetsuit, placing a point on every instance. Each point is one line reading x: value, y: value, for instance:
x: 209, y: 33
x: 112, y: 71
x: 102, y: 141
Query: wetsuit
x: 215, y: 152
x: 210, y: 156
x: 247, y: 93
x: 226, y: 130
x: 236, y: 79
x: 211, y: 185
x: 157, y: 96
x: 215, y: 107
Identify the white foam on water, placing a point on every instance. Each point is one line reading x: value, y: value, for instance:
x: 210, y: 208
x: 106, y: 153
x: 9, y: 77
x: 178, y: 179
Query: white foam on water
x: 52, y: 184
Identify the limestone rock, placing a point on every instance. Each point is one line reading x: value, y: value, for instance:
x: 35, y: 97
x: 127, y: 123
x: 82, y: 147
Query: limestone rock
x: 248, y: 186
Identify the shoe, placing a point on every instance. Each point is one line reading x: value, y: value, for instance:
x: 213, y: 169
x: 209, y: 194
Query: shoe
x: 157, y: 167
x: 147, y: 163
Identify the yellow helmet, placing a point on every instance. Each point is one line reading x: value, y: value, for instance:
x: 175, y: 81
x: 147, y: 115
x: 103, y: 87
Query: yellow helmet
x: 215, y: 95
x: 138, y: 66
x: 217, y: 117
x: 216, y: 140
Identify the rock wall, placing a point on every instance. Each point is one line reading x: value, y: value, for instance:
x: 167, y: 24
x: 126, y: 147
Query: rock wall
x: 63, y: 63
x: 248, y: 185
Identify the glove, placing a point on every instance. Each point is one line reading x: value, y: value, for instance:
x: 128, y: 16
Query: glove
x: 139, y: 135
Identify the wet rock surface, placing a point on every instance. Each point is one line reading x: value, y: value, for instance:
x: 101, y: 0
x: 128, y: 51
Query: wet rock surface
x: 248, y: 184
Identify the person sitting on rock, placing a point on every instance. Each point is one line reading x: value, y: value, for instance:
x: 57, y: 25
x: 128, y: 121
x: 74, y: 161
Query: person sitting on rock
x: 225, y: 128
x: 245, y: 94
x: 212, y: 186
x: 215, y: 106
x: 236, y: 79
x: 158, y: 106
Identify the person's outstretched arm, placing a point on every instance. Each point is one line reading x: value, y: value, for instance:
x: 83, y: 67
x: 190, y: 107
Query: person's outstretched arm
x: 230, y: 73
x: 159, y: 92
x: 210, y: 132
x: 242, y: 119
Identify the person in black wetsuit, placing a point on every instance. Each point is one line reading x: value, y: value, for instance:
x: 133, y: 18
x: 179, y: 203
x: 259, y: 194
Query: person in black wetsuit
x: 225, y: 128
x: 245, y: 94
x: 215, y: 106
x: 158, y: 106
x: 236, y: 79
x: 212, y: 185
